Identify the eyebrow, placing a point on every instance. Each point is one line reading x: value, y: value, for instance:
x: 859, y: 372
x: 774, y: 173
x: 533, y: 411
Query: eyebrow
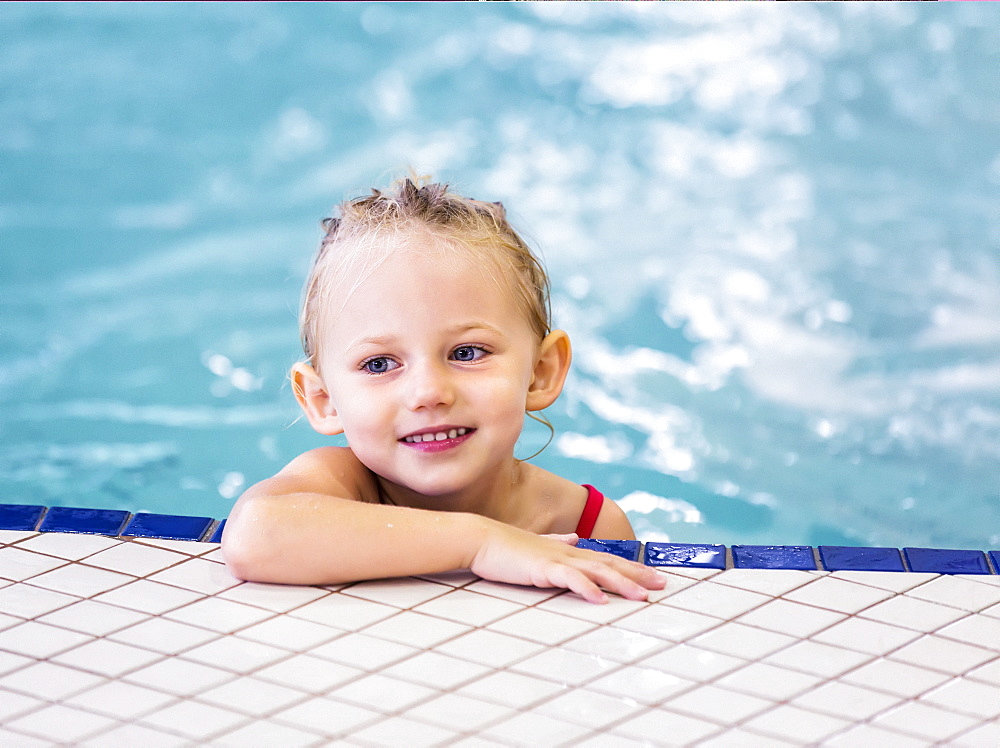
x: 385, y: 340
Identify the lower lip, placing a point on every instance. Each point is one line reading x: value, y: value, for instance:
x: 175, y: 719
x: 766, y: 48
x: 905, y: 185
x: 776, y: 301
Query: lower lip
x: 438, y: 446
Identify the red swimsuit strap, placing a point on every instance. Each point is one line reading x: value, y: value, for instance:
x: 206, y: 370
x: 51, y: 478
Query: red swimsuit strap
x: 591, y: 510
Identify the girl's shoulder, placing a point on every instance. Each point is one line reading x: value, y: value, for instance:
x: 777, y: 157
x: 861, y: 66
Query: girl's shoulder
x: 334, y: 471
x: 561, y: 505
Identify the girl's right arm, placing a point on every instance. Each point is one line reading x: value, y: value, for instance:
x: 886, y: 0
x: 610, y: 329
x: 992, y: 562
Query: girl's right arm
x: 303, y: 526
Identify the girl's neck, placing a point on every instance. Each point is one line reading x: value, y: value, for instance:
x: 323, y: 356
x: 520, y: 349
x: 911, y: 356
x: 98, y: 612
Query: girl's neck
x: 492, y: 496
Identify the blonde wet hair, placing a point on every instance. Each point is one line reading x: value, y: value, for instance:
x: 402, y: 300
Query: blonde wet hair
x: 370, y: 228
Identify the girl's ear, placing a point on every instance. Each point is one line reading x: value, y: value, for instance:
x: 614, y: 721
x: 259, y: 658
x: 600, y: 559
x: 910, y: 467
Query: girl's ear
x: 315, y: 400
x: 554, y: 356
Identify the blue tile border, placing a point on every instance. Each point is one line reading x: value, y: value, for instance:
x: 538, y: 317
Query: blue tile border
x: 119, y: 523
x: 694, y: 555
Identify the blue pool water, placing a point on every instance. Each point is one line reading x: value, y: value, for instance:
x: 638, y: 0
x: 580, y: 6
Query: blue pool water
x: 773, y: 233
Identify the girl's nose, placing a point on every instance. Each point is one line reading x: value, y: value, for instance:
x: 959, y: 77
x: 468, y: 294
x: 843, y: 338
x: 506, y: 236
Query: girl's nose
x: 430, y: 386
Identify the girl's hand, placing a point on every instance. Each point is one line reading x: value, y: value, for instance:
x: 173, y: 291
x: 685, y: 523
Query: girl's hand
x: 516, y: 556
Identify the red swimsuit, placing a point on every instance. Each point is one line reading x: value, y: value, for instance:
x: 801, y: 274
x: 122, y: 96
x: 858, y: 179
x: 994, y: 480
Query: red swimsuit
x: 591, y: 510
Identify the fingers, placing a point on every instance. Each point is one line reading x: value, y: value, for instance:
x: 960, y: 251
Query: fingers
x: 568, y: 539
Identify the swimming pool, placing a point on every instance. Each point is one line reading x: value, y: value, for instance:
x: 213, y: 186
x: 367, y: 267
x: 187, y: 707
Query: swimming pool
x: 773, y: 235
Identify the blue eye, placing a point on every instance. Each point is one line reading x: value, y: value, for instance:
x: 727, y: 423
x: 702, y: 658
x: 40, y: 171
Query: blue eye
x: 468, y: 353
x: 379, y: 365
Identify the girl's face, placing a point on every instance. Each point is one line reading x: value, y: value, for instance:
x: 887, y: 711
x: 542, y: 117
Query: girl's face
x: 427, y: 370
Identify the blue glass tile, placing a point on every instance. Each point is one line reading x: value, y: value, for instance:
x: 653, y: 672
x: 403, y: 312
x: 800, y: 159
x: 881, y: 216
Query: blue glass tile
x: 849, y: 558
x: 169, y: 526
x: 20, y: 516
x: 995, y: 558
x: 946, y: 561
x: 627, y: 549
x: 686, y: 554
x: 91, y: 521
x: 217, y: 535
x: 773, y: 557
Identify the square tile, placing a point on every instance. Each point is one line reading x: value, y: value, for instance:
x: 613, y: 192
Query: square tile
x: 266, y: 733
x: 436, y: 670
x: 796, y: 725
x: 307, y: 673
x: 958, y: 592
x: 163, y: 635
x: 167, y: 526
x: 834, y: 593
x: 773, y: 557
x: 14, y: 704
x: 565, y: 666
x: 685, y: 554
x: 235, y: 654
x: 988, y: 673
x: 852, y: 703
x: 364, y: 652
x: 668, y: 624
x: 794, y: 619
x: 589, y: 708
x: 9, y: 662
x: 49, y: 681
x: 94, y: 618
x: 516, y: 593
x: 693, y: 663
x: 455, y: 710
x: 865, y: 735
x: 534, y: 729
x: 252, y: 696
x: 416, y: 629
x: 716, y: 704
x: 325, y: 716
x: 866, y: 636
x: 124, y: 701
x: 218, y: 614
x: 511, y: 689
x: 618, y: 645
x: 25, y: 601
x: 489, y: 648
x: 643, y: 684
x: 198, y: 575
x: 279, y: 598
x: 681, y: 729
x: 576, y: 607
x: 135, y: 559
x: 179, y: 677
x: 293, y: 634
x: 134, y: 734
x: 83, y: 581
x: 907, y: 681
x: 17, y: 564
x: 541, y: 626
x: 402, y: 731
x: 818, y: 659
x: 38, y: 640
x: 193, y: 719
x: 61, y: 724
x: 403, y: 592
x: 469, y: 608
x: 148, y: 597
x: 925, y: 721
x: 22, y: 517
x: 382, y: 692
x: 771, y: 582
x: 946, y: 561
x: 91, y: 521
x: 966, y: 697
x: 848, y: 558
x: 716, y: 600
x: 942, y: 654
x: 885, y: 580
x: 344, y: 612
x: 743, y: 641
x: 108, y: 658
x: 768, y: 681
x: 911, y: 613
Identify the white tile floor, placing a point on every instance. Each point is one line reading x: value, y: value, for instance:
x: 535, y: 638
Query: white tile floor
x: 107, y: 642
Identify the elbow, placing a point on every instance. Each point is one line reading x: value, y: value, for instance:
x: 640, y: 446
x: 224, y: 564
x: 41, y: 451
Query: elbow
x: 243, y: 550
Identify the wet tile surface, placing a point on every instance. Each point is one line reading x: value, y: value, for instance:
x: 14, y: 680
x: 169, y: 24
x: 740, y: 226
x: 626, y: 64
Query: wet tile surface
x: 142, y: 641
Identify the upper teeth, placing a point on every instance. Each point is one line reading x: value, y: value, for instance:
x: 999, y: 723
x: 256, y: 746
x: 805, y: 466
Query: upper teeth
x: 440, y: 436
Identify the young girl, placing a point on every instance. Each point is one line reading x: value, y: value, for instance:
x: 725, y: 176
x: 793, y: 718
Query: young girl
x: 425, y: 324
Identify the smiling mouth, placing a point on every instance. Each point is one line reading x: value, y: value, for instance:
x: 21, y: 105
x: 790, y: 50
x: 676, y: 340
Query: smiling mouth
x: 436, y: 436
